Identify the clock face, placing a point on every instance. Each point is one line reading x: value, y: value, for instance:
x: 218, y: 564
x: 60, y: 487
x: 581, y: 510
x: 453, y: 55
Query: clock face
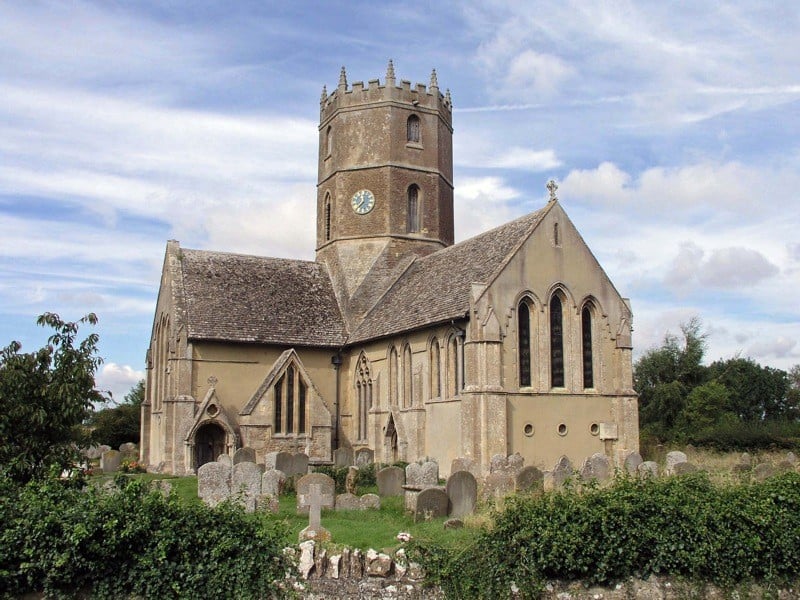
x: 362, y: 202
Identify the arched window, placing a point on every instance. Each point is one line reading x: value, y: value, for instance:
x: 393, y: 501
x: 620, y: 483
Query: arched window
x: 329, y: 140
x: 524, y: 342
x: 455, y: 366
x: 408, y: 390
x: 393, y: 376
x: 412, y: 225
x: 436, y: 380
x: 556, y: 342
x: 327, y: 217
x: 413, y: 129
x: 556, y: 236
x: 364, y: 389
x: 290, y: 402
x: 586, y: 347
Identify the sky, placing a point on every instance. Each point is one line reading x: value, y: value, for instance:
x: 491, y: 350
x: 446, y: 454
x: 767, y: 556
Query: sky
x: 672, y: 129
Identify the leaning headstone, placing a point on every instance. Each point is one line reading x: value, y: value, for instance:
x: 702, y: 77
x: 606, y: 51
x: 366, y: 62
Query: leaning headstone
x: 424, y: 474
x: 562, y: 472
x: 529, y: 479
x: 225, y: 459
x: 327, y: 489
x: 282, y: 461
x: 214, y: 483
x: 110, y: 461
x: 244, y: 454
x: 364, y: 456
x: 390, y: 481
x: 763, y: 471
x: 632, y: 462
x: 343, y: 457
x: 431, y: 503
x: 246, y: 484
x: 596, y: 467
x: 273, y: 482
x: 648, y: 468
x: 299, y: 464
x: 317, y: 498
x: 462, y: 491
x: 497, y: 485
x: 673, y: 458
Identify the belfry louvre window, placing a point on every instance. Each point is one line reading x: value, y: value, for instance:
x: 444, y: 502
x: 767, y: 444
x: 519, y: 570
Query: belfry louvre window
x: 556, y: 343
x: 290, y: 403
x: 413, y: 129
x: 524, y: 335
x: 327, y: 217
x: 413, y: 210
x: 586, y: 347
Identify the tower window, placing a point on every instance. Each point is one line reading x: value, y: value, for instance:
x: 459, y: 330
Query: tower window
x: 413, y: 129
x: 524, y: 339
x: 413, y: 209
x: 329, y: 140
x: 586, y: 347
x: 327, y: 217
x: 556, y: 343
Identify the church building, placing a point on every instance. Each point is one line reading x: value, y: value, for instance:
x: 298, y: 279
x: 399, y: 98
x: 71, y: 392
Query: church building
x: 394, y: 339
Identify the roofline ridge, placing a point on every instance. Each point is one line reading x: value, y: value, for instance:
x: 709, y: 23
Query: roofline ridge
x: 385, y: 292
x: 245, y: 255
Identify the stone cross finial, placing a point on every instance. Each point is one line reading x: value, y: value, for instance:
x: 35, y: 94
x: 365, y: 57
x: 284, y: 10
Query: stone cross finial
x: 390, y: 71
x: 552, y: 186
x: 212, y: 381
x: 324, y: 96
x: 434, y: 79
x: 343, y: 79
x: 448, y: 98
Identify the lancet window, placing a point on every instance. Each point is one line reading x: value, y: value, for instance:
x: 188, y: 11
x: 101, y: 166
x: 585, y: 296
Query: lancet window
x: 556, y: 342
x: 290, y: 393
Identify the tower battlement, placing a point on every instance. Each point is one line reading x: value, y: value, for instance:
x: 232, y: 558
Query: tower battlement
x: 357, y: 94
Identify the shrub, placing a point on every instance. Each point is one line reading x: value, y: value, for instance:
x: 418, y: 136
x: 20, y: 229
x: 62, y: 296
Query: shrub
x: 682, y: 526
x: 65, y: 541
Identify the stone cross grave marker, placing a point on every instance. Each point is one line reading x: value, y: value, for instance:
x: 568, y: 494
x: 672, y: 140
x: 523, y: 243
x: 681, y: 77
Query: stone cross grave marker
x: 315, y: 530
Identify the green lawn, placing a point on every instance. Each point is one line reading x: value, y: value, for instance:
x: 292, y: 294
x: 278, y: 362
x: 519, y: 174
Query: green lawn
x: 362, y: 529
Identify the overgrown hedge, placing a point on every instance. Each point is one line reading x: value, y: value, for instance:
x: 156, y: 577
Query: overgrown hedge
x: 682, y: 526
x: 67, y: 540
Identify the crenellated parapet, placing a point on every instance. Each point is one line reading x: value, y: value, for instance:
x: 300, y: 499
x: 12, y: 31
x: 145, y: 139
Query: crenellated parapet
x: 423, y: 98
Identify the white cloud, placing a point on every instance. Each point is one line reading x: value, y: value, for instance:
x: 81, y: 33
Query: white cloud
x: 482, y: 203
x: 118, y: 379
x: 536, y: 73
x: 721, y: 268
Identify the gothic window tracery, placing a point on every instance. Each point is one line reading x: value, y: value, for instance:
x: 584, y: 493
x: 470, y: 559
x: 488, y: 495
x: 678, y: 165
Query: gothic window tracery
x: 290, y: 393
x: 364, y: 395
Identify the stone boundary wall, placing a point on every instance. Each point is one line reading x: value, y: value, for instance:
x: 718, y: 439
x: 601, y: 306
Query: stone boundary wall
x: 353, y: 574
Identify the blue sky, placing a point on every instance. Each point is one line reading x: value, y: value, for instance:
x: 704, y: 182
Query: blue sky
x: 672, y: 128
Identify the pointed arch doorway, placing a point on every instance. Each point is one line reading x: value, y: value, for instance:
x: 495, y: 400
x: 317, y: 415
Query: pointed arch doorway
x: 209, y: 444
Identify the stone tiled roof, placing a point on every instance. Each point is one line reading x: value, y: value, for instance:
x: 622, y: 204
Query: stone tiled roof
x: 437, y: 288
x: 232, y: 297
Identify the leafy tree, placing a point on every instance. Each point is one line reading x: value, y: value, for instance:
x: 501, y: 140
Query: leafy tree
x: 119, y: 424
x: 45, y: 396
x: 757, y: 393
x: 706, y: 405
x: 665, y: 375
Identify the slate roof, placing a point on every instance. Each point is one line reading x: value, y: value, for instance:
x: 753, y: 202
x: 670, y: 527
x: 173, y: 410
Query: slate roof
x: 437, y: 287
x: 233, y: 297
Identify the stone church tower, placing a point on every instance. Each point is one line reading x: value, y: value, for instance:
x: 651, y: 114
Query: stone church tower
x: 385, y: 188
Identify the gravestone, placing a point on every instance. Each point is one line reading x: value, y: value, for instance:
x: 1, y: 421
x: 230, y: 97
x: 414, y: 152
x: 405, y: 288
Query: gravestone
x: 515, y: 462
x: 365, y: 456
x: 673, y: 458
x: 110, y: 461
x: 214, y: 483
x: 684, y: 468
x: 648, y: 468
x: 317, y: 498
x: 350, y: 480
x: 529, y: 479
x: 562, y: 472
x: 327, y: 488
x: 243, y: 455
x: 499, y: 462
x: 299, y: 464
x: 225, y: 459
x: 462, y: 464
x: 421, y: 475
x: 390, y: 481
x: 246, y: 484
x: 596, y: 467
x: 431, y: 503
x: 763, y: 471
x: 129, y: 450
x: 273, y: 482
x: 462, y: 492
x: 632, y: 462
x: 371, y: 501
x: 282, y: 461
x: 497, y: 485
x: 343, y: 457
x: 348, y: 502
x: 791, y: 458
